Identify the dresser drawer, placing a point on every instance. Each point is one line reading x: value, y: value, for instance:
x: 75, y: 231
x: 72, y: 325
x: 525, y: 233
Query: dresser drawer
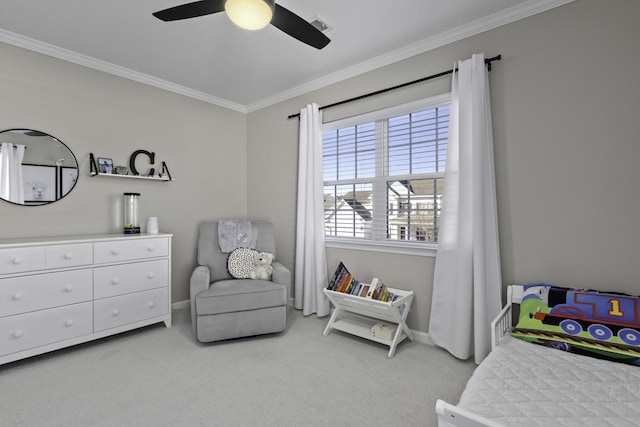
x: 31, y: 330
x: 122, y: 310
x: 39, y: 291
x: 18, y: 260
x: 123, y: 250
x: 126, y: 278
x: 59, y: 256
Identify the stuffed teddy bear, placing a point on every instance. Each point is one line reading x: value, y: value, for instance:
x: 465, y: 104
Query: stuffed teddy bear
x: 263, y: 268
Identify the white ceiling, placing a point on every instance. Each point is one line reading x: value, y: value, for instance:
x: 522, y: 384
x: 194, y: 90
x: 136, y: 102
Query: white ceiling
x: 209, y: 58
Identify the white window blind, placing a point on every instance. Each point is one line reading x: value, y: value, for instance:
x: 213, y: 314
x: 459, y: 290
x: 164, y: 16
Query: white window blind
x: 384, y: 172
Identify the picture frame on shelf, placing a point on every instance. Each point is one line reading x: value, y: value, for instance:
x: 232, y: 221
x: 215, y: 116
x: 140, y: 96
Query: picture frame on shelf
x: 40, y: 183
x: 105, y: 165
x: 121, y: 170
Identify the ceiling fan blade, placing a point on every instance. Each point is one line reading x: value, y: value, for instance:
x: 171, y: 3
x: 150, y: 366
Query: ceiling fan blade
x: 298, y: 28
x: 191, y: 10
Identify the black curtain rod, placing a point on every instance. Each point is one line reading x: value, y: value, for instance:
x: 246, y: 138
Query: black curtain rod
x: 487, y: 61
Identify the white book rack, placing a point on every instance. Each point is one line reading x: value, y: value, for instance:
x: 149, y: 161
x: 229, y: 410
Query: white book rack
x: 357, y: 315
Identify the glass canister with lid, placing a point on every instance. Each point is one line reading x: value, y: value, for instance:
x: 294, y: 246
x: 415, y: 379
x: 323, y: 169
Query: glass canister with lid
x: 131, y: 224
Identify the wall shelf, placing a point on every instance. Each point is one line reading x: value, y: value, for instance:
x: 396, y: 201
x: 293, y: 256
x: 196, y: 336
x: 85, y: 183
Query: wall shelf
x: 113, y: 175
x: 94, y: 170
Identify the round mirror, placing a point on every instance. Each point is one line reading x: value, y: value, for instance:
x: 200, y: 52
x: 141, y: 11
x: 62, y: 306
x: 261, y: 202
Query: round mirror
x: 35, y: 168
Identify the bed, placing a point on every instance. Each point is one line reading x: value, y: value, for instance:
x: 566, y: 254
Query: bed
x: 526, y: 384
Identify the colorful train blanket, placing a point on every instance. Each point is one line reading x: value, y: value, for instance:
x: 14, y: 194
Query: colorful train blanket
x: 605, y: 325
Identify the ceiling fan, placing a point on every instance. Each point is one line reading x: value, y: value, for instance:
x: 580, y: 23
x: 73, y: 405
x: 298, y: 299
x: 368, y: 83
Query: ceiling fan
x: 252, y: 15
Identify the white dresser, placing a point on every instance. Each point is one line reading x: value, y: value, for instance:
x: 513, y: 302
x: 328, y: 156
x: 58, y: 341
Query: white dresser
x: 61, y: 291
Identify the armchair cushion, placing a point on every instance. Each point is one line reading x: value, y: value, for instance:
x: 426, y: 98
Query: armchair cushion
x: 228, y: 296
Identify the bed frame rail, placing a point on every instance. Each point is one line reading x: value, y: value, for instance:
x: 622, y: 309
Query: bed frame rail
x: 502, y: 323
x: 450, y: 415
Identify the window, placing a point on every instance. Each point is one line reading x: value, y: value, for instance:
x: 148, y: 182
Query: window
x: 384, y: 173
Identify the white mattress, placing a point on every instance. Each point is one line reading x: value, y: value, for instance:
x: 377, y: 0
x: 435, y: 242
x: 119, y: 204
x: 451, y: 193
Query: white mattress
x: 525, y: 384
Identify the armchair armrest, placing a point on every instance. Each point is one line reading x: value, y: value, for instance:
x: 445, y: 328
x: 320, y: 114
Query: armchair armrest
x: 282, y: 276
x: 200, y: 281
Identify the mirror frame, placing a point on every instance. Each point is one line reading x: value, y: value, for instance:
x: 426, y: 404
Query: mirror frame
x: 58, y: 168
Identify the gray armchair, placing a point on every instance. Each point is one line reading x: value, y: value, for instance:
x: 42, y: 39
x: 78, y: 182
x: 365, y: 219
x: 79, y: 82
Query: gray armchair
x: 223, y: 307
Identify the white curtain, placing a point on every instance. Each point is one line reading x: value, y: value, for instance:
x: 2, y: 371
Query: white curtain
x: 311, y: 259
x: 11, y: 180
x: 467, y: 278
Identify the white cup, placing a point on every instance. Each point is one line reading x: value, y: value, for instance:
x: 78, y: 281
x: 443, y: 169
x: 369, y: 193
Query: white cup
x: 152, y: 225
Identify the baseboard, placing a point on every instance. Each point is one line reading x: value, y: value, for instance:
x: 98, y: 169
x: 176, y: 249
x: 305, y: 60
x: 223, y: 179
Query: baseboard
x: 180, y: 305
x: 422, y: 337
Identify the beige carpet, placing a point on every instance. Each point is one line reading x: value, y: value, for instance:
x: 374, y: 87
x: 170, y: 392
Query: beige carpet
x: 162, y: 377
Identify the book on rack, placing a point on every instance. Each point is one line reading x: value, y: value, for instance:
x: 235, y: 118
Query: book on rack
x: 344, y: 282
x: 379, y: 291
x: 334, y: 283
x: 365, y: 289
x: 384, y: 330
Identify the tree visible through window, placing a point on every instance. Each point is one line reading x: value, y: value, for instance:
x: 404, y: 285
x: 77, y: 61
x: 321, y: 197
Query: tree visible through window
x: 384, y: 173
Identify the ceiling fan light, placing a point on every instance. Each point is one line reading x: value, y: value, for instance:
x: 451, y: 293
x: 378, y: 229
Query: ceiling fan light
x: 250, y: 14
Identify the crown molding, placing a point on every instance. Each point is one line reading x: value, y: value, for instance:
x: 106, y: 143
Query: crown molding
x: 507, y: 16
x: 90, y: 62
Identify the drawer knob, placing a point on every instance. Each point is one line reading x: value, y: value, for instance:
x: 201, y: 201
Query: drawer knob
x: 17, y: 296
x: 17, y: 334
x: 68, y: 255
x: 151, y: 275
x: 151, y: 248
x: 151, y: 304
x: 68, y: 323
x: 115, y: 251
x: 17, y: 260
x: 116, y: 311
x: 68, y: 288
x: 115, y: 280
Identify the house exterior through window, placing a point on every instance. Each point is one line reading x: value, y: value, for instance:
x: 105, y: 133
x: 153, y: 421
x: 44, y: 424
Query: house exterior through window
x: 384, y: 173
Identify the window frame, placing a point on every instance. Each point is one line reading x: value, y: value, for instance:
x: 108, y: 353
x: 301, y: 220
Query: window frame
x: 388, y: 246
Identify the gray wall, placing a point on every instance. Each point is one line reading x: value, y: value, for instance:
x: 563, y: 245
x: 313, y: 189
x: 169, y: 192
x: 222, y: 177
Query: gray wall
x: 565, y: 110
x: 93, y: 112
x: 565, y: 118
